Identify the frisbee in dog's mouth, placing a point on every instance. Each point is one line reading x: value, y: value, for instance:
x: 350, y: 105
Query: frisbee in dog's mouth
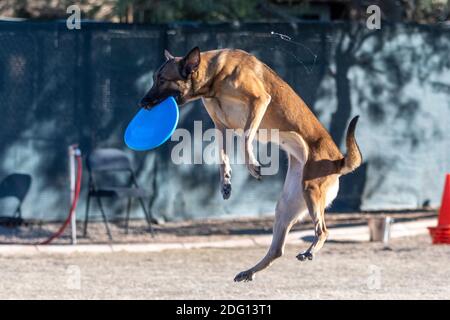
x: 151, y: 128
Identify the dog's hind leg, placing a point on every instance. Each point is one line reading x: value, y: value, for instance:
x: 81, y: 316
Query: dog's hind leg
x: 289, y: 208
x: 318, y: 195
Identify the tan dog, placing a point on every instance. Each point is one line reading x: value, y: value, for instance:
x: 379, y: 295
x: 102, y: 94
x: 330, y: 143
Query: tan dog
x: 241, y: 92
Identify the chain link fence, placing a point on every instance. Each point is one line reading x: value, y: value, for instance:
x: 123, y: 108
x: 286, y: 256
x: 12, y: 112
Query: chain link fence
x: 60, y: 86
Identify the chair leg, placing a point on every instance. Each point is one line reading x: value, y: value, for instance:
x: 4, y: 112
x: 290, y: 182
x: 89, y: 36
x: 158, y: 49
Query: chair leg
x: 86, y: 216
x: 105, y: 219
x: 127, y: 221
x: 148, y: 216
x: 18, y: 213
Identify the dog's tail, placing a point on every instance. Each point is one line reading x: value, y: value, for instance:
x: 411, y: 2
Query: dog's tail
x: 353, y: 158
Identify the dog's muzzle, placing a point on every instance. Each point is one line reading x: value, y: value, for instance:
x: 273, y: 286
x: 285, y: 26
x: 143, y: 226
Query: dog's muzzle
x: 148, y: 103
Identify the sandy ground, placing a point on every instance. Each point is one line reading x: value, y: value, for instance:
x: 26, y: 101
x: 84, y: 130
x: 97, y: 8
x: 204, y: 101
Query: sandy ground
x: 412, y: 269
x: 186, y: 231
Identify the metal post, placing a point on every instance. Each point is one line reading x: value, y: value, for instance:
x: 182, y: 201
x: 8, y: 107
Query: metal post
x: 73, y: 152
x: 387, y: 230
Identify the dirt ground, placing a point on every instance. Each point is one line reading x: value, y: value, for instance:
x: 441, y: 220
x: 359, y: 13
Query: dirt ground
x: 412, y: 269
x: 188, y: 231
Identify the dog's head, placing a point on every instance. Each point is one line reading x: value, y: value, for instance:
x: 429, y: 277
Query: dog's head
x: 173, y: 78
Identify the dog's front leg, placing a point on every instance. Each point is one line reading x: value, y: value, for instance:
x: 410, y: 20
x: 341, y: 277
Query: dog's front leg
x: 225, y: 168
x: 258, y: 107
x: 214, y: 110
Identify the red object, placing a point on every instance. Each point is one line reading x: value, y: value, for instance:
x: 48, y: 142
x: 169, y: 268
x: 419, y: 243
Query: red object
x: 441, y: 233
x: 73, y: 206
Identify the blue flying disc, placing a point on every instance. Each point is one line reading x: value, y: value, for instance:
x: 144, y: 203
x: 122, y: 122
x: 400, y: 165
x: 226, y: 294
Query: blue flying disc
x: 151, y: 128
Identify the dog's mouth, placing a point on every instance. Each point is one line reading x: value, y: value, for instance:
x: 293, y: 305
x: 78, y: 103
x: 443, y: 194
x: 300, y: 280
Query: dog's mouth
x: 179, y: 99
x: 148, y: 103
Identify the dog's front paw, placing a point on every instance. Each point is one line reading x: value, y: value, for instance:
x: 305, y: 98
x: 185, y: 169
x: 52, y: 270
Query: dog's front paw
x: 244, y: 276
x: 305, y: 256
x: 226, y: 190
x: 255, y: 170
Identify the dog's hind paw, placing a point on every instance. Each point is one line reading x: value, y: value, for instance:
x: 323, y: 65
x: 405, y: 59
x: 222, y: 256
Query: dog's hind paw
x: 305, y: 256
x: 244, y: 276
x: 226, y: 190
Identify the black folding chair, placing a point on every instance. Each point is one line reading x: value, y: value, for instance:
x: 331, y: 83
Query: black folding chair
x: 15, y: 185
x: 113, y: 160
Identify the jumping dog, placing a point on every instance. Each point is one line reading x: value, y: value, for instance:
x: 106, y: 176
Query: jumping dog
x: 241, y: 92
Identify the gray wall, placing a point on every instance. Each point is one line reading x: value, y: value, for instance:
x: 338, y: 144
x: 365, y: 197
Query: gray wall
x: 59, y: 87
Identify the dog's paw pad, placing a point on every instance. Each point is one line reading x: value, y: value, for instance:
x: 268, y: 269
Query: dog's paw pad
x: 226, y: 190
x: 305, y: 256
x: 244, y: 276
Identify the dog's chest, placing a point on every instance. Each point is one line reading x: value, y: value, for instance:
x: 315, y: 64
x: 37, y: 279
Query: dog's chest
x: 233, y: 112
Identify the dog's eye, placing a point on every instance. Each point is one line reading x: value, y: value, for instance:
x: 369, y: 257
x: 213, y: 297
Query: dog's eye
x: 161, y: 80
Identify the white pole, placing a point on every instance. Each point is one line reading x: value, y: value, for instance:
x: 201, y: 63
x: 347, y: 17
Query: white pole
x: 387, y: 230
x: 72, y: 172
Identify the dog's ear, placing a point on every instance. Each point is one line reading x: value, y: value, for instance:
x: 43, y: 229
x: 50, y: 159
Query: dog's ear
x: 168, y: 55
x: 190, y: 62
